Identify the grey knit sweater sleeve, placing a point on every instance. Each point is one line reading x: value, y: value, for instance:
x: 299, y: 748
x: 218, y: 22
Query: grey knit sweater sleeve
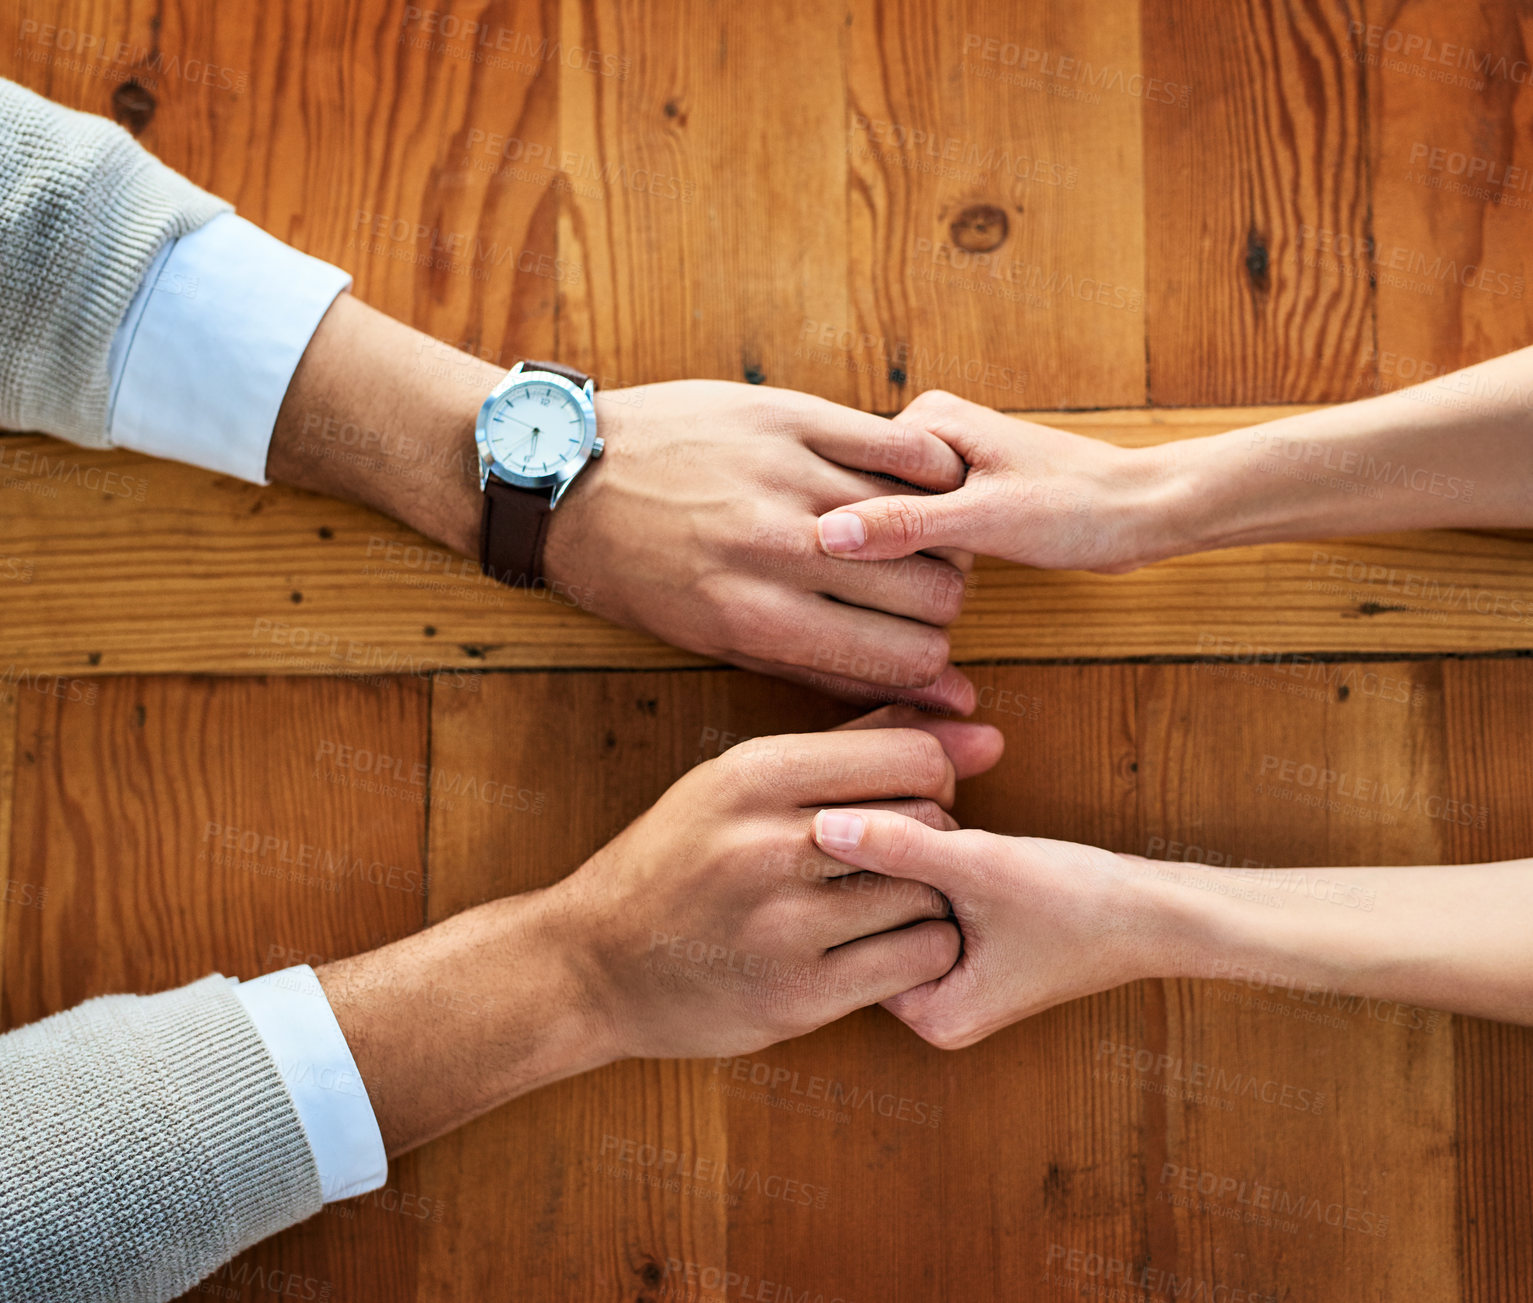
x: 83, y: 210
x: 145, y: 1141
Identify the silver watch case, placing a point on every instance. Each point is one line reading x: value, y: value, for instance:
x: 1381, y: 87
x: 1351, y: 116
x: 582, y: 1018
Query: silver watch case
x: 561, y: 479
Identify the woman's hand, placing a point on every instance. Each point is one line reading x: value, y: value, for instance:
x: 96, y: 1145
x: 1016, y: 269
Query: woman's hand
x: 1036, y: 495
x: 1047, y: 921
x: 1042, y: 921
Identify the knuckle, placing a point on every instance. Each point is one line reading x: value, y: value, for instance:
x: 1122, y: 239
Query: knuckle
x: 788, y: 1000
x: 946, y: 585
x: 740, y: 621
x: 923, y: 763
x: 751, y: 764
x: 929, y: 812
x: 929, y: 658
x: 905, y: 451
x: 949, y: 1035
x: 936, y: 405
x: 935, y: 1021
x: 759, y: 529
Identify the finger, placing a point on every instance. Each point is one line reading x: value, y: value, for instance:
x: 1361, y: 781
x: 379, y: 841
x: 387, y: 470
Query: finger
x: 848, y: 908
x: 881, y: 967
x: 862, y: 442
x: 872, y: 647
x: 842, y: 488
x: 951, y: 691
x: 927, y: 811
x: 954, y: 556
x: 915, y: 587
x: 804, y: 877
x: 882, y: 842
x: 785, y: 551
x: 814, y: 769
x: 973, y: 748
x: 881, y: 528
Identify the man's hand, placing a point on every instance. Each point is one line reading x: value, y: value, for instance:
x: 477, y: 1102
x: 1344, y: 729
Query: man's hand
x: 713, y: 925
x: 695, y: 526
x: 710, y: 926
x: 1036, y: 495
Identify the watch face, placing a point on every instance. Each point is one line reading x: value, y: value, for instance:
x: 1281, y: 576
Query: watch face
x: 536, y: 429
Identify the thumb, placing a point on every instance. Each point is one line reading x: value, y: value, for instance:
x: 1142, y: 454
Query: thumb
x: 883, y: 841
x: 882, y: 529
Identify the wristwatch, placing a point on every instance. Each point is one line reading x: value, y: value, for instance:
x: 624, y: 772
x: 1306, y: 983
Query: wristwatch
x: 535, y: 433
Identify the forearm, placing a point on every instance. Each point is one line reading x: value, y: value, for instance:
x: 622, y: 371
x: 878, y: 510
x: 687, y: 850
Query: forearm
x: 381, y: 414
x: 1455, y: 452
x: 1446, y: 937
x: 449, y: 1023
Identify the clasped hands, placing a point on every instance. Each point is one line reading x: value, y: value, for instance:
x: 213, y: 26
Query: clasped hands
x: 793, y: 879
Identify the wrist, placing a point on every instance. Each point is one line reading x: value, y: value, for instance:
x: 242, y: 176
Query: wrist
x: 381, y: 414
x: 1300, y: 928
x: 494, y: 991
x: 558, y: 1003
x: 1155, y: 490
x: 1198, y: 921
x: 554, y: 925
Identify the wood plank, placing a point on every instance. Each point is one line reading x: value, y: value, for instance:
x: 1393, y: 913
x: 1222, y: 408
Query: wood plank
x: 185, y: 826
x: 1110, y: 755
x: 721, y: 225
x: 1449, y: 160
x: 998, y: 207
x: 541, y: 1188
x: 148, y: 566
x: 1490, y: 756
x: 1249, y: 185
x: 1346, y: 1100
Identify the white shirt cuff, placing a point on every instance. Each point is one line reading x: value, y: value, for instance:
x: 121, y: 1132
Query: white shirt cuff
x: 207, y: 350
x: 293, y: 1015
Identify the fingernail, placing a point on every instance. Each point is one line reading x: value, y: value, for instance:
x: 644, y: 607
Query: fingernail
x: 842, y: 531
x: 836, y: 830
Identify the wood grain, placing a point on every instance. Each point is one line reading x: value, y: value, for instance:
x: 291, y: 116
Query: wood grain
x: 1041, y: 1146
x: 1452, y: 204
x: 764, y: 193
x: 599, y: 749
x: 724, y: 227
x: 1354, y: 1110
x: 148, y: 566
x: 1490, y: 758
x: 176, y: 827
x: 1248, y: 186
x: 997, y: 227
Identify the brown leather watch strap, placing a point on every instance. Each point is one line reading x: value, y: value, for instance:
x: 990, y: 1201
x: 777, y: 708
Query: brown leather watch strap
x: 511, y: 533
x: 515, y: 520
x: 568, y: 372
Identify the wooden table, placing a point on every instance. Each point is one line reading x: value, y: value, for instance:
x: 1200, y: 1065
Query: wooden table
x: 1141, y: 224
